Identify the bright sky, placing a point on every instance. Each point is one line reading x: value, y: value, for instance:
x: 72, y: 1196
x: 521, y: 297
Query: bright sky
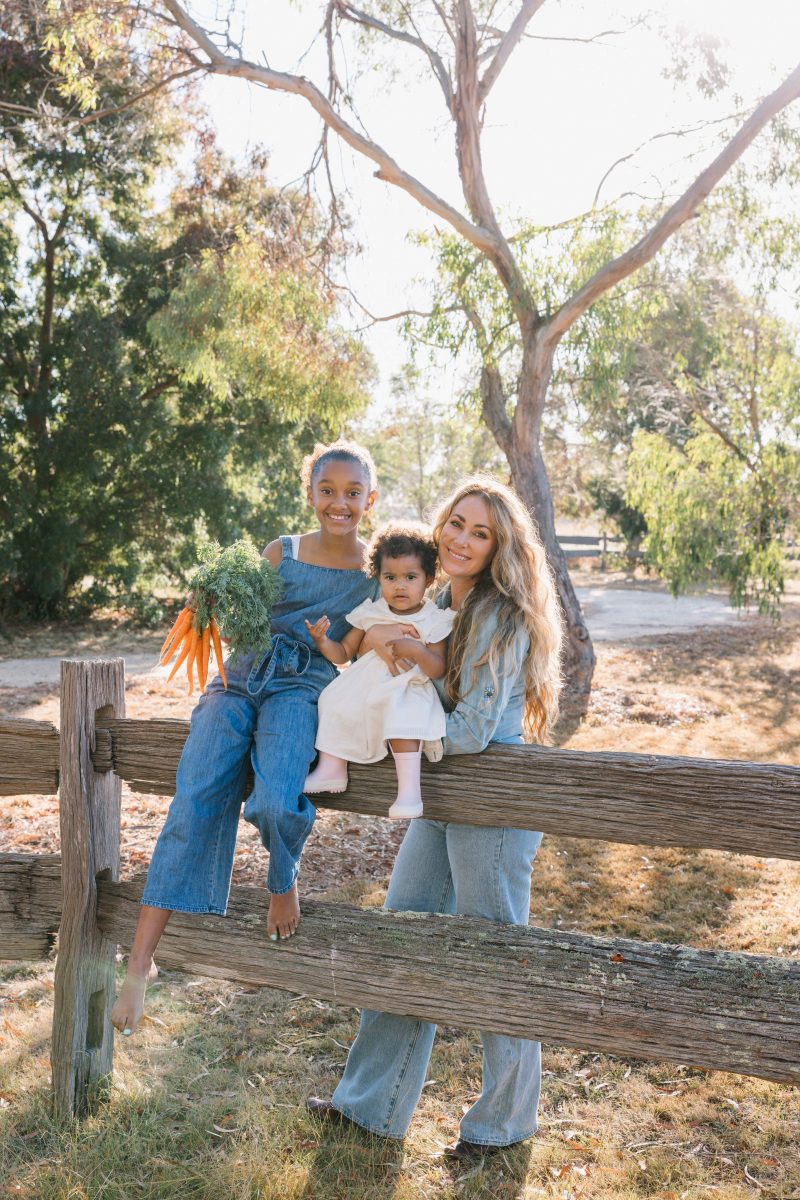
x: 560, y: 115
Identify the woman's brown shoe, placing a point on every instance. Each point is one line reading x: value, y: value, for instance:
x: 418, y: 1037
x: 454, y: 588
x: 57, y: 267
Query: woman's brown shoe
x: 324, y: 1111
x: 464, y: 1150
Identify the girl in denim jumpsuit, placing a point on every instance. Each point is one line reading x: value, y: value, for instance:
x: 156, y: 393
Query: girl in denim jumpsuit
x: 267, y: 719
x: 451, y: 868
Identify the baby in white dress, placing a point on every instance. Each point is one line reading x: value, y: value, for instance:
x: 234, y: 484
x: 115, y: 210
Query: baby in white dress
x: 370, y: 708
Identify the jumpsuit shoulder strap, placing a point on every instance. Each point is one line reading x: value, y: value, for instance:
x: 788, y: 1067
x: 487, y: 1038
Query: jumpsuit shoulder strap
x: 290, y: 544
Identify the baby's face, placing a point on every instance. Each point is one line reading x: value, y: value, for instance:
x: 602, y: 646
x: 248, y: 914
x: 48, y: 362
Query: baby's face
x: 403, y: 583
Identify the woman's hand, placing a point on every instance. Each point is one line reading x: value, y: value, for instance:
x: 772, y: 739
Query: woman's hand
x: 404, y: 651
x: 379, y: 637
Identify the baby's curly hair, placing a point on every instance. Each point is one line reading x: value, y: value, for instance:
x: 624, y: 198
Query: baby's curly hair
x: 396, y: 540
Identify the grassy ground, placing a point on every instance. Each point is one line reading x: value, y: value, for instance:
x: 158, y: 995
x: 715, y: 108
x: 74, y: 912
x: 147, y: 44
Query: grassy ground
x: 207, y: 1101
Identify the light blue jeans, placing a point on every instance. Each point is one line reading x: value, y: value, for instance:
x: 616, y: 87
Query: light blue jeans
x: 267, y: 718
x: 475, y: 872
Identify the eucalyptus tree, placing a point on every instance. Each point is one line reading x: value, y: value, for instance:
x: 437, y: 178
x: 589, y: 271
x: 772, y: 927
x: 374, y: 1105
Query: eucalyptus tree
x: 466, y: 46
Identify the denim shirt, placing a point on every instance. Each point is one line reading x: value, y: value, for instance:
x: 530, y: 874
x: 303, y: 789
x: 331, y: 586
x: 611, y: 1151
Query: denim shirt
x: 488, y: 712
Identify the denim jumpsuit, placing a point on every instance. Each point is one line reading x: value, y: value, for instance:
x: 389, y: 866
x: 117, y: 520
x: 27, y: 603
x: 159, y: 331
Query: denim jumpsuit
x: 476, y: 872
x: 267, y: 718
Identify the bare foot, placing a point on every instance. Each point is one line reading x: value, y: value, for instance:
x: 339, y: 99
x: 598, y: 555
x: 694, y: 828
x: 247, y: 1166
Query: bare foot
x: 129, y: 1004
x: 284, y: 914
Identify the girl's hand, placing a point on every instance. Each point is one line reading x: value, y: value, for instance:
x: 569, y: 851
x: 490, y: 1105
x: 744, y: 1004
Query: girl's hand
x: 319, y: 629
x: 378, y: 638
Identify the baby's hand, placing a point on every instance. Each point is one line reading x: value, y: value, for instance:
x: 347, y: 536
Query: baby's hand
x: 319, y: 629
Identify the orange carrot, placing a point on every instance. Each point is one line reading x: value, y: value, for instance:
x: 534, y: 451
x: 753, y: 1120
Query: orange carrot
x: 187, y: 641
x: 218, y: 651
x: 205, y: 651
x: 191, y: 659
x: 175, y: 635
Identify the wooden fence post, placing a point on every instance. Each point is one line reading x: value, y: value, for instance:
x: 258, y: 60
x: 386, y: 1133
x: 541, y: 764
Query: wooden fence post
x: 82, y: 1045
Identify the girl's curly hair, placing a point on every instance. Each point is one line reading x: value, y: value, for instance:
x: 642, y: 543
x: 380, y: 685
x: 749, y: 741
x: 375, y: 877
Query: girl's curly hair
x: 395, y: 541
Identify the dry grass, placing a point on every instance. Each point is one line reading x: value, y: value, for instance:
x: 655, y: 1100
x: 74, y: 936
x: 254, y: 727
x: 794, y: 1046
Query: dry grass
x: 207, y: 1102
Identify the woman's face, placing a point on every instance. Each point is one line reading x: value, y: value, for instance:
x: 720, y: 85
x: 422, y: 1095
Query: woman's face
x: 468, y: 540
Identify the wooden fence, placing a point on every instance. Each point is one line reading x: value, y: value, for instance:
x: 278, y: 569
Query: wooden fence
x: 720, y: 1010
x: 594, y: 546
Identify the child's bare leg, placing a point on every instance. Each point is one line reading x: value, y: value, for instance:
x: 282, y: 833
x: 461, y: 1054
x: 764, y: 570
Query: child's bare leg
x: 407, y: 754
x: 284, y: 914
x: 129, y: 1004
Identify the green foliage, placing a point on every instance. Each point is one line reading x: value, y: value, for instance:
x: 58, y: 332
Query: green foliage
x: 238, y: 587
x: 162, y: 371
x: 610, y: 500
x: 556, y: 261
x: 706, y: 513
x: 240, y: 325
x: 715, y: 466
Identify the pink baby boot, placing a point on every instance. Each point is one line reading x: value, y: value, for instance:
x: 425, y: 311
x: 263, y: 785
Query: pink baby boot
x: 409, y: 794
x: 329, y: 775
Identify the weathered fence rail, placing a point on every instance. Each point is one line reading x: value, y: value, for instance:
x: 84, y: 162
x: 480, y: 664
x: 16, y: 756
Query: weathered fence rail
x: 30, y: 905
x: 648, y: 799
x: 724, y: 1011
x: 734, y: 1012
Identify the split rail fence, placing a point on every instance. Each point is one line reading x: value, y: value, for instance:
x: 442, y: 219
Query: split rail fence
x: 595, y: 546
x: 714, y: 1009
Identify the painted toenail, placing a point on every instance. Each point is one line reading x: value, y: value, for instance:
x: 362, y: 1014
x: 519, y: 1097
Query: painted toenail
x: 273, y: 937
x: 127, y: 1032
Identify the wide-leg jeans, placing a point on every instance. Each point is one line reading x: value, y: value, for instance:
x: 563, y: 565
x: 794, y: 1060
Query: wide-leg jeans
x: 266, y: 719
x: 474, y: 872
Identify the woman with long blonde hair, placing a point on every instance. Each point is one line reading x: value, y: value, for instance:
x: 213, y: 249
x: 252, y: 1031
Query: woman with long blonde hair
x: 501, y: 685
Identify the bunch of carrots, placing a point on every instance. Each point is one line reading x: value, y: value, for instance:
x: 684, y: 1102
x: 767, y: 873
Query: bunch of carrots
x: 192, y: 643
x: 233, y: 589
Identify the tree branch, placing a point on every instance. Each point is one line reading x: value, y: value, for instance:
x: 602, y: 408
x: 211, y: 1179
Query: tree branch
x: 683, y: 208
x: 350, y: 13
x: 588, y: 41
x: 507, y: 45
x: 165, y: 384
x: 493, y: 398
x: 467, y: 116
x: 678, y: 133
x: 389, y: 171
x: 672, y: 388
x: 37, y: 218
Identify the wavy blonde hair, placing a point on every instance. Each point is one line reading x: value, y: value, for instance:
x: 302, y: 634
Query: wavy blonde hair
x: 517, y: 591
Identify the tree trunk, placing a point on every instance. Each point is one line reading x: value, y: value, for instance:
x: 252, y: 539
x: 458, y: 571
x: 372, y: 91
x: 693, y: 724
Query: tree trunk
x: 529, y: 476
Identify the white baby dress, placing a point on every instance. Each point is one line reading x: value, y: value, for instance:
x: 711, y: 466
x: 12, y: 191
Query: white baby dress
x: 367, y: 705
